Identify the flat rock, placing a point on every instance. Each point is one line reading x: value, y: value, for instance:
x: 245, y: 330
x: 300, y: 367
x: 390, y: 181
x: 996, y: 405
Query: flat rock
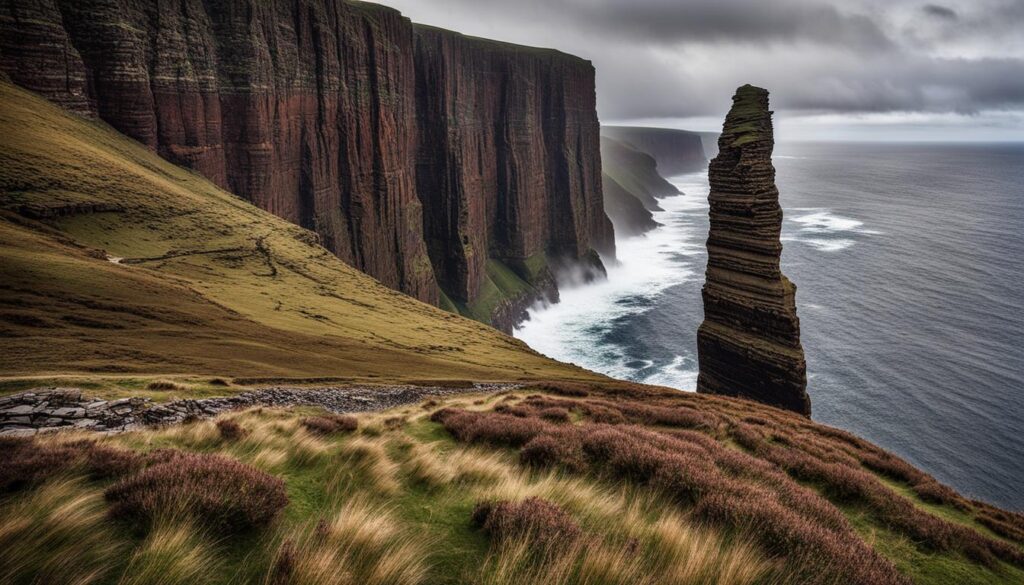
x: 69, y: 412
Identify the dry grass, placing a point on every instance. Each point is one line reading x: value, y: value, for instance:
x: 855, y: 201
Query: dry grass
x: 578, y: 502
x: 56, y: 534
x: 366, y: 460
x: 209, y: 284
x: 728, y: 488
x: 361, y: 544
x: 173, y: 553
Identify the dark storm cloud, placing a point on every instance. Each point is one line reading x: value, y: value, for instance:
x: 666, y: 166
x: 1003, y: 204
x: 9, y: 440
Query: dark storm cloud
x: 673, y: 21
x: 742, y: 21
x: 680, y: 58
x: 939, y: 11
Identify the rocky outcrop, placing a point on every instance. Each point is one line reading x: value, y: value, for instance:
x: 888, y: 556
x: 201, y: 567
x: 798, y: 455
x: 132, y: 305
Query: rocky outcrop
x: 749, y: 342
x: 677, y: 151
x: 47, y: 410
x: 507, y: 165
x: 328, y: 113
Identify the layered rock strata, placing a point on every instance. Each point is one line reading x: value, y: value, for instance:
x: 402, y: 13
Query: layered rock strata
x: 326, y: 112
x: 508, y: 164
x: 749, y: 342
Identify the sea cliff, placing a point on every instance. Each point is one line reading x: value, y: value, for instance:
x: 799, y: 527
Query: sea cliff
x: 418, y: 155
x: 508, y: 167
x: 677, y: 151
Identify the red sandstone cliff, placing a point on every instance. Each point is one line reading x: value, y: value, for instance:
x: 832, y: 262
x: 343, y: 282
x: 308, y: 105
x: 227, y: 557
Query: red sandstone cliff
x: 508, y: 163
x: 342, y: 117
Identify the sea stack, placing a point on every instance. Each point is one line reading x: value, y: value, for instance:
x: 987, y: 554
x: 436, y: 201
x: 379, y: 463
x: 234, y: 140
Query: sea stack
x: 749, y: 342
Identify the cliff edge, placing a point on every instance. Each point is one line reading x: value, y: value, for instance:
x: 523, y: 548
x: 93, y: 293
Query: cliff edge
x: 749, y: 342
x: 419, y: 156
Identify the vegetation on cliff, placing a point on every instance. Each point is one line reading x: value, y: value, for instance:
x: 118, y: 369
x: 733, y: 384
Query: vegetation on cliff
x: 115, y: 262
x: 420, y: 156
x: 555, y: 483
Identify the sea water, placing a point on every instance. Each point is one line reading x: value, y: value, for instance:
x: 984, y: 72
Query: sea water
x: 909, y: 263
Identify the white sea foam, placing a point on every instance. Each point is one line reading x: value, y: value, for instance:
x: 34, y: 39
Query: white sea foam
x: 675, y: 375
x: 827, y: 245
x: 826, y: 231
x: 825, y: 221
x: 647, y: 266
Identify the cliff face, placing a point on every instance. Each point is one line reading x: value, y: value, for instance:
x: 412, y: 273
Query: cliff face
x: 635, y: 170
x: 311, y: 109
x: 677, y: 151
x: 508, y: 164
x: 628, y: 214
x: 749, y: 342
x: 632, y: 187
x: 304, y: 108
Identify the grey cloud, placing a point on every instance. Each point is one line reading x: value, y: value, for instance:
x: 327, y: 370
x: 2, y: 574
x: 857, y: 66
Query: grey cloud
x: 680, y: 58
x: 940, y: 11
x: 674, y: 21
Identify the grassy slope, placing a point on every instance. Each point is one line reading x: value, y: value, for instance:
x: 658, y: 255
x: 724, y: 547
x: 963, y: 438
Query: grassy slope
x: 209, y: 284
x: 415, y: 487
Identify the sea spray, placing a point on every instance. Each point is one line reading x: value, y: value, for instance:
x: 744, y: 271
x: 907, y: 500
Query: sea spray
x: 581, y: 327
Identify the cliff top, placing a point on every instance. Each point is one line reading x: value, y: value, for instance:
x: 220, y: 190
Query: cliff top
x: 749, y: 119
x: 501, y: 45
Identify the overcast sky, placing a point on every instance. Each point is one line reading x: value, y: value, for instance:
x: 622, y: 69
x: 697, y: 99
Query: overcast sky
x: 850, y: 69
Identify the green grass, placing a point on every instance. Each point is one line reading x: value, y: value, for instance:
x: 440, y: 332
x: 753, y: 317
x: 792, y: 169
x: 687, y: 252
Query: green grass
x: 926, y: 567
x: 500, y: 284
x: 209, y: 285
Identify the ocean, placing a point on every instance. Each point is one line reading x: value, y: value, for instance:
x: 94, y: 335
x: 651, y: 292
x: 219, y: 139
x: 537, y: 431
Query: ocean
x: 909, y: 266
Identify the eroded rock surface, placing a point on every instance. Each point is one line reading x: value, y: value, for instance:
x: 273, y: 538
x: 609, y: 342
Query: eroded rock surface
x: 749, y: 342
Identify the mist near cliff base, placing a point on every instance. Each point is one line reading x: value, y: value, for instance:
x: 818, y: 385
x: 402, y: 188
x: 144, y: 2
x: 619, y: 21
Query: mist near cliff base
x: 599, y: 325
x: 907, y: 261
